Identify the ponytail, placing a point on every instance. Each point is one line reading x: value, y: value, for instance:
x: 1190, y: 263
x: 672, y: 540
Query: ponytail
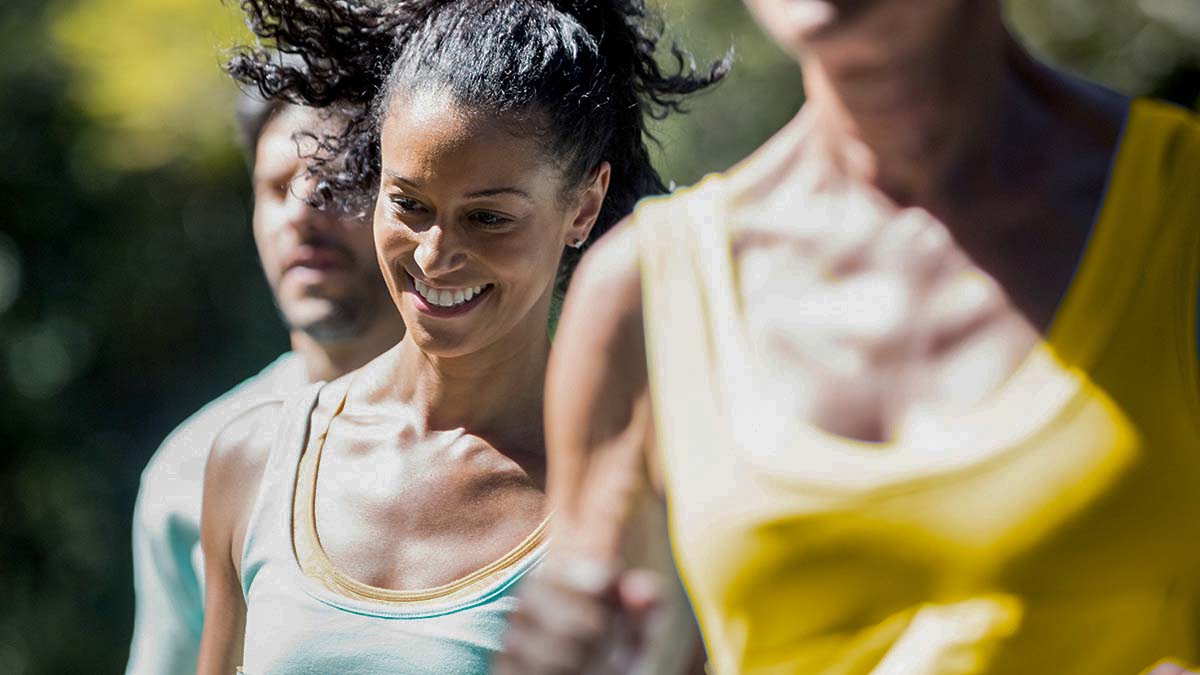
x: 583, y: 73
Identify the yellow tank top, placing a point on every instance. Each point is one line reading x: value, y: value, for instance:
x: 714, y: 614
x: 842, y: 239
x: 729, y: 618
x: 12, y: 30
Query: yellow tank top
x: 1055, y: 528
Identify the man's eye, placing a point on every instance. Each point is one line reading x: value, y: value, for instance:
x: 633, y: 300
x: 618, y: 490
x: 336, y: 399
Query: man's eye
x: 277, y: 190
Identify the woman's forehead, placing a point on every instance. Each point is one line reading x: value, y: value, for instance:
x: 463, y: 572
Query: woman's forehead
x: 429, y: 137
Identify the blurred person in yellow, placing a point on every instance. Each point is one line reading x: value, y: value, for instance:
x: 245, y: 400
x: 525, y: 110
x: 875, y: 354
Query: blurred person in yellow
x: 916, y: 382
x: 321, y: 268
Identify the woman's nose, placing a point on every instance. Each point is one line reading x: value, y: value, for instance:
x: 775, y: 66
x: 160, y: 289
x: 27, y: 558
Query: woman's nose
x: 439, y: 251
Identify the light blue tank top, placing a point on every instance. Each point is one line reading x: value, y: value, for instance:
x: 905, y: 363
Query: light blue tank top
x: 297, y: 625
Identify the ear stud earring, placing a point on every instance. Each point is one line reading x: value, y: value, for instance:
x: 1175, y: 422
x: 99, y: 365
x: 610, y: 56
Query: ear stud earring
x: 578, y: 243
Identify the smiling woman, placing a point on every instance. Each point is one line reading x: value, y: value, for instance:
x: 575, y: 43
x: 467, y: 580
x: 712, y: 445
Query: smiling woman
x: 469, y: 202
x: 496, y: 137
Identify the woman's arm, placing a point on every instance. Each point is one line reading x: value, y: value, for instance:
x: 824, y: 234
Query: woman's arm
x: 231, y: 480
x: 1170, y: 669
x: 608, y: 512
x: 598, y: 421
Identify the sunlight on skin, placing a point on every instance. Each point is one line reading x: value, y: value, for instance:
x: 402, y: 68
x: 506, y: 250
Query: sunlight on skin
x: 1172, y: 669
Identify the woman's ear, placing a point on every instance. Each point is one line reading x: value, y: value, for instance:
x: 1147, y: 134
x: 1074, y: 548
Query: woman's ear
x: 590, y: 201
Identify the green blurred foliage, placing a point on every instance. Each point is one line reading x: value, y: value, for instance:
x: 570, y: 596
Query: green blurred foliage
x: 1135, y: 46
x: 129, y: 295
x: 761, y: 93
x: 150, y: 71
x: 129, y: 290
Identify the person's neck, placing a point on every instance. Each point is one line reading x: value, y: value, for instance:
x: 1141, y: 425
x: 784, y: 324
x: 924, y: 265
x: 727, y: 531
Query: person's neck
x: 902, y: 104
x: 496, y: 392
x: 325, y: 361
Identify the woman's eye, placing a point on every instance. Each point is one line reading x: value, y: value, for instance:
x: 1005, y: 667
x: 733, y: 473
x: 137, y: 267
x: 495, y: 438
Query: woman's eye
x: 406, y: 205
x: 488, y: 219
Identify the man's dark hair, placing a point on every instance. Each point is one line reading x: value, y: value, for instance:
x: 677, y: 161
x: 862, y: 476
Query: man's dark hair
x: 252, y: 113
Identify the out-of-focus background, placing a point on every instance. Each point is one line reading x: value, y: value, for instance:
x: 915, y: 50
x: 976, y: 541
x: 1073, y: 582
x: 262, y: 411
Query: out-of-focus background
x: 129, y: 289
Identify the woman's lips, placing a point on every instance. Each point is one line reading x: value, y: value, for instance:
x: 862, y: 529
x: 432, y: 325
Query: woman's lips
x: 427, y: 306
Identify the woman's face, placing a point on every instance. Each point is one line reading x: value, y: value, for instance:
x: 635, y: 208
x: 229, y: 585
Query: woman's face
x: 799, y: 26
x: 793, y: 23
x: 470, y: 225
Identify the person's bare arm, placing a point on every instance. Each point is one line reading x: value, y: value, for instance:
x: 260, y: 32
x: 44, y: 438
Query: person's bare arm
x: 1171, y: 669
x: 231, y: 482
x: 598, y: 420
x: 609, y: 517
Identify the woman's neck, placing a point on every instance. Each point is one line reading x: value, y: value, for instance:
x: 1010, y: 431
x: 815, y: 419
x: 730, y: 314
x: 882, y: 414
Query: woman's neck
x: 495, y: 392
x: 949, y: 115
x: 901, y: 100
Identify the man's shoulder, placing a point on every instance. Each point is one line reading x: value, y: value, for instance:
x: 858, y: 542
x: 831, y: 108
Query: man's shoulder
x: 175, y: 473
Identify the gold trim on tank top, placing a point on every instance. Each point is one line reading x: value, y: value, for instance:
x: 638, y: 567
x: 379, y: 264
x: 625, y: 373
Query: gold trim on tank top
x: 315, y: 563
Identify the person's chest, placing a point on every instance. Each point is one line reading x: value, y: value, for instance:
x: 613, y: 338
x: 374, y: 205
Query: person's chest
x: 882, y: 319
x: 422, y: 515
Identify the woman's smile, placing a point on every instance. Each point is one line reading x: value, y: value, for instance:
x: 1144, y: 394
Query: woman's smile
x: 447, y: 301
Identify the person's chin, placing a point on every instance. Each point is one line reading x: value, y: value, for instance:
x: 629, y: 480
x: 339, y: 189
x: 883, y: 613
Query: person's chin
x: 450, y: 338
x: 445, y: 344
x: 801, y: 24
x: 306, y: 282
x: 321, y: 318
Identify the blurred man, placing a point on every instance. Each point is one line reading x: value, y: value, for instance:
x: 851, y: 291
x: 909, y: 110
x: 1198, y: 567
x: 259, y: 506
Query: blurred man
x: 322, y: 271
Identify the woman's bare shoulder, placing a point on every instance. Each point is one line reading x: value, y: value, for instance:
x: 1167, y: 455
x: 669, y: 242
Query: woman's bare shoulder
x: 244, y: 444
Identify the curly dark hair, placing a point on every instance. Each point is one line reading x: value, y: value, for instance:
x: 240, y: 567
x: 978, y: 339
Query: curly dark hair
x: 583, y: 72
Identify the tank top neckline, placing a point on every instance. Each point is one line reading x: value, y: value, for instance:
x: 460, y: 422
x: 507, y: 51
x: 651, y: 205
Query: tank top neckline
x: 324, y: 581
x: 1050, y: 374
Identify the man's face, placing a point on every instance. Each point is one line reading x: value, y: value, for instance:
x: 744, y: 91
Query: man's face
x: 320, y: 265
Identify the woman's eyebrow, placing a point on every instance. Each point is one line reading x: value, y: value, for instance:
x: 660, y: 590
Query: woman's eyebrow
x: 486, y: 192
x: 489, y: 192
x: 401, y: 179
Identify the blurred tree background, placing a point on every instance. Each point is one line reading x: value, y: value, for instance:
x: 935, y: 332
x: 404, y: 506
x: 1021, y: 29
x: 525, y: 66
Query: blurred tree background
x: 129, y: 290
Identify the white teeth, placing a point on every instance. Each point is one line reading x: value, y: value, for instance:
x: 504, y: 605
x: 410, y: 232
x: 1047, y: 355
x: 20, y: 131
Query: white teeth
x: 446, y: 298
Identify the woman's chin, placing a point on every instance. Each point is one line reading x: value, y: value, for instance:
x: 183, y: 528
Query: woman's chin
x: 794, y: 22
x: 798, y: 25
x: 439, y: 342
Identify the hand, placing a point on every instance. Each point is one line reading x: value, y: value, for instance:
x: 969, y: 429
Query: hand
x: 578, y: 616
